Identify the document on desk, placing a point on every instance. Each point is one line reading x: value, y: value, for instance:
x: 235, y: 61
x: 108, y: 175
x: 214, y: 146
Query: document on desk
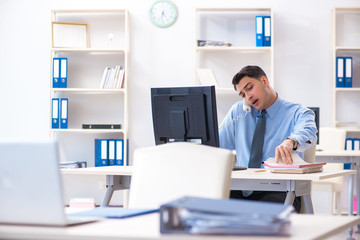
x: 298, y: 166
x: 195, y: 215
x: 113, y: 212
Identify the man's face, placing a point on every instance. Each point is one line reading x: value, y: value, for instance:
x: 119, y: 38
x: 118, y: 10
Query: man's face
x: 254, y: 92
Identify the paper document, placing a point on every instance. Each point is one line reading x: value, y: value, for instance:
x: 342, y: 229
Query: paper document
x: 297, y: 163
x: 113, y: 212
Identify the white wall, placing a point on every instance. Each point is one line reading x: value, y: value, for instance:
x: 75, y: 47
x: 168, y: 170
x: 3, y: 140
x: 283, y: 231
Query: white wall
x: 158, y: 57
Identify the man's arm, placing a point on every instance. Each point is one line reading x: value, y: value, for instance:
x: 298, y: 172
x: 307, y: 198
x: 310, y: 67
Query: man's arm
x: 303, y: 136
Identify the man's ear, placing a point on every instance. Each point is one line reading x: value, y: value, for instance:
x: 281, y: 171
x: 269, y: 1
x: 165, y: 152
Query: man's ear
x: 265, y: 81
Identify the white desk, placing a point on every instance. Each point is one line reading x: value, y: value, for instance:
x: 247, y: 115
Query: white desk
x: 352, y: 157
x: 118, y: 178
x: 303, y: 227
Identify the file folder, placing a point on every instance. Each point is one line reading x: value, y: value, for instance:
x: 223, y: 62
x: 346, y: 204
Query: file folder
x: 63, y: 72
x: 267, y: 31
x: 114, y: 212
x: 55, y: 113
x: 111, y: 143
x: 64, y: 113
x: 348, y: 72
x: 101, y: 152
x: 356, y: 144
x: 119, y: 152
x: 340, y: 72
x: 197, y: 215
x: 349, y: 144
x: 56, y: 72
x: 259, y: 31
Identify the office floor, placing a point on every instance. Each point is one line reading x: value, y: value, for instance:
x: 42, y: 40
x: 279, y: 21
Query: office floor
x: 345, y: 234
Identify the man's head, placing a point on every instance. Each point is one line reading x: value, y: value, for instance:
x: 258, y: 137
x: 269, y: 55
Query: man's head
x: 253, y: 85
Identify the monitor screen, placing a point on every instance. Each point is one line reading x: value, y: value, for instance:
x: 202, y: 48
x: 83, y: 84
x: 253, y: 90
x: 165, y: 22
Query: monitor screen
x: 185, y: 114
x: 316, y: 110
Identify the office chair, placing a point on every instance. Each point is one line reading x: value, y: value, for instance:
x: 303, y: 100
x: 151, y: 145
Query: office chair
x: 166, y: 172
x: 332, y: 139
x: 309, y: 156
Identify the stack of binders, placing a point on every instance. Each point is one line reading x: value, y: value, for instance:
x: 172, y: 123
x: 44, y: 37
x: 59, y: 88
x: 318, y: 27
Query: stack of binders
x: 194, y: 215
x: 59, y: 113
x: 263, y: 31
x: 344, y: 72
x: 60, y: 72
x: 109, y: 152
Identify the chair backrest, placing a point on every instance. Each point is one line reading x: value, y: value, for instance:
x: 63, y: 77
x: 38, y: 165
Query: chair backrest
x: 309, y: 154
x: 332, y: 138
x: 166, y: 172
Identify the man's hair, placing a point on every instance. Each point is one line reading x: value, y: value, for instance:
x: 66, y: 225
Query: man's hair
x: 248, y: 71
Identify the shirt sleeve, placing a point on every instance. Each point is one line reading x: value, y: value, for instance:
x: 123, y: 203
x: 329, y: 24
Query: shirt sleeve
x: 305, y: 129
x: 227, y: 132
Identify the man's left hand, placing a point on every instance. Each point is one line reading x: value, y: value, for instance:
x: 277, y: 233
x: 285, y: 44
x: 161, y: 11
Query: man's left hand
x: 283, y: 152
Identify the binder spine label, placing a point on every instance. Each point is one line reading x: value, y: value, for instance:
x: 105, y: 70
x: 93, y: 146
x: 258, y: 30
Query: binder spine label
x: 64, y: 113
x: 348, y: 72
x: 55, y: 113
x: 56, y: 72
x: 259, y: 31
x: 63, y: 72
x: 267, y: 31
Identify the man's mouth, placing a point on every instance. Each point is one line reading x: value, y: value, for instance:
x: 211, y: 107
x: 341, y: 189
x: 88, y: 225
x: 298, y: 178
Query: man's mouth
x: 254, y: 102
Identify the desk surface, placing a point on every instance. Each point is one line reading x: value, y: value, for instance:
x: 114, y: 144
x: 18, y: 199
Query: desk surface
x: 343, y: 153
x: 242, y: 174
x: 304, y: 226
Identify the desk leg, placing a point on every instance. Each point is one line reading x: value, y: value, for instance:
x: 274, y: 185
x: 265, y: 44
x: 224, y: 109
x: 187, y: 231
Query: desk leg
x: 290, y: 196
x: 350, y: 200
x: 114, y: 183
x: 357, y: 166
x: 308, y: 204
x: 108, y: 194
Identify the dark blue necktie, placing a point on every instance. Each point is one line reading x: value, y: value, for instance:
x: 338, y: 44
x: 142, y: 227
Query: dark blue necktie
x: 257, y: 142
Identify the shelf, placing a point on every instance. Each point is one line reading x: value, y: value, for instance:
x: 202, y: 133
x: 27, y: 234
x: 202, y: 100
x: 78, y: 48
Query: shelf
x: 347, y: 48
x: 233, y: 9
x: 352, y: 89
x: 109, y: 43
x: 91, y: 131
x: 89, y: 11
x: 87, y: 90
x: 234, y: 49
x: 88, y: 50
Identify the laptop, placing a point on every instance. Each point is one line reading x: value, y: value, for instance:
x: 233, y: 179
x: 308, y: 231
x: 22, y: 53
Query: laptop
x: 30, y: 185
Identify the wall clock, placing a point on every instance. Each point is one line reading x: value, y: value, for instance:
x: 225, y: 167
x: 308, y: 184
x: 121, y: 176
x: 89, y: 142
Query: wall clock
x: 163, y: 13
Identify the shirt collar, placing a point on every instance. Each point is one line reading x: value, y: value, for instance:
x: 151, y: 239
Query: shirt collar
x: 272, y: 110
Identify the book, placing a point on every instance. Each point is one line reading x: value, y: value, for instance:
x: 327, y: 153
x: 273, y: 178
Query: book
x: 101, y: 126
x: 208, y: 43
x: 297, y: 163
x: 297, y: 170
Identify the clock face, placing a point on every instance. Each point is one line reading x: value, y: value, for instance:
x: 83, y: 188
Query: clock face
x: 163, y: 13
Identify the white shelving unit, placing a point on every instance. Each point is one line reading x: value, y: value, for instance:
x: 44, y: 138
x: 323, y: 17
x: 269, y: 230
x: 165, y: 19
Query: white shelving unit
x: 108, y: 36
x: 346, y: 42
x: 235, y: 26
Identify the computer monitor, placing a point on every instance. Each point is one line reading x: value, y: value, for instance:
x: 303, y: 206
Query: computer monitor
x: 316, y: 110
x: 186, y: 114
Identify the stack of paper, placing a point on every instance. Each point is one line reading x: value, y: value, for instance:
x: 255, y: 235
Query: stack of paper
x: 195, y: 215
x: 298, y: 166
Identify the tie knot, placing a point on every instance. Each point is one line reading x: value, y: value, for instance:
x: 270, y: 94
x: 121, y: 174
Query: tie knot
x: 263, y: 112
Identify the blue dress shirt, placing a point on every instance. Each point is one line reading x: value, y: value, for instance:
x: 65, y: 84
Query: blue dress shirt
x: 283, y: 120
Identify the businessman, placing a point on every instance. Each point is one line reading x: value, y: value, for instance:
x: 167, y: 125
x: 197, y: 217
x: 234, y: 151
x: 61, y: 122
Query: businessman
x: 273, y: 128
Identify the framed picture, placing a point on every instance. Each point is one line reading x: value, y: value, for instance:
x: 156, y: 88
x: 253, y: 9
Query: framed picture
x: 69, y: 35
